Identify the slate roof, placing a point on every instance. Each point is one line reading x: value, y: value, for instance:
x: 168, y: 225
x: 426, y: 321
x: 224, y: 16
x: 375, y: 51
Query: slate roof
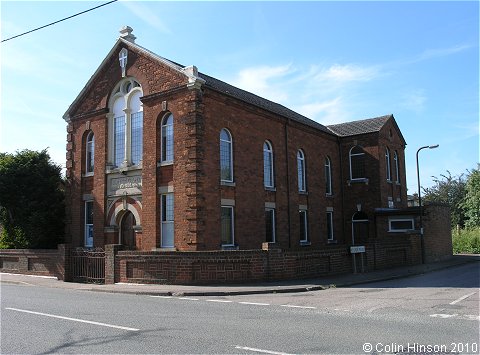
x: 359, y: 127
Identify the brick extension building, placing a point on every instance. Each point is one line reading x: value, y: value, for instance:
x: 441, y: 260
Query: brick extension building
x: 161, y: 157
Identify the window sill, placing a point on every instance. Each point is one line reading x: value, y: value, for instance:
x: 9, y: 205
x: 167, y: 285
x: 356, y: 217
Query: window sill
x: 389, y: 182
x: 303, y: 193
x: 227, y: 183
x: 357, y: 181
x: 165, y: 163
x: 270, y: 189
x: 330, y: 195
x: 229, y: 247
x: 305, y: 243
x: 87, y: 174
x: 397, y: 183
x: 123, y: 170
x: 332, y: 241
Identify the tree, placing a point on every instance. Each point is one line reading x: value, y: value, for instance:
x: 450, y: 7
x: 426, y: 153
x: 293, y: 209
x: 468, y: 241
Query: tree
x: 451, y: 190
x: 471, y: 203
x: 32, y: 209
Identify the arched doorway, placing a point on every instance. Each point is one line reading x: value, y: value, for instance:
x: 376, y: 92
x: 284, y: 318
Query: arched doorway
x: 359, y: 228
x: 127, y: 234
x: 359, y: 238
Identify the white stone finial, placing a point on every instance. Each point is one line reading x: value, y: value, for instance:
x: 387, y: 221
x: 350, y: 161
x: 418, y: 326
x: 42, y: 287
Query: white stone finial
x: 194, y: 81
x: 126, y: 34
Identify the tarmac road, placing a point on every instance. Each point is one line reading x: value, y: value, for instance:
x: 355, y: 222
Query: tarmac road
x: 438, y: 311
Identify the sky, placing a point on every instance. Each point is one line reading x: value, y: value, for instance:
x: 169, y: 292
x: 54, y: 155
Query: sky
x: 330, y: 61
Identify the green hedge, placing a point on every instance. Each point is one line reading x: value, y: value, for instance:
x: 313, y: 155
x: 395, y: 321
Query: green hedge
x: 466, y: 241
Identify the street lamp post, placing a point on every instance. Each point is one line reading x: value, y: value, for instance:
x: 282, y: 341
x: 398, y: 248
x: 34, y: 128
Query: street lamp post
x: 422, y: 240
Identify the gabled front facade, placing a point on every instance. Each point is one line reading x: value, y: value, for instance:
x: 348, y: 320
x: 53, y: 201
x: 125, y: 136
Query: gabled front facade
x: 162, y: 157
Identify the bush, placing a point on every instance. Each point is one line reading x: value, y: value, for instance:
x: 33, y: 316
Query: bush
x: 13, y: 240
x: 32, y: 209
x: 466, y: 241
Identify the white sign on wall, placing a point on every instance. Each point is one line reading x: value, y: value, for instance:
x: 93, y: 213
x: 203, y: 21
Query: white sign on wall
x: 119, y: 185
x: 357, y: 249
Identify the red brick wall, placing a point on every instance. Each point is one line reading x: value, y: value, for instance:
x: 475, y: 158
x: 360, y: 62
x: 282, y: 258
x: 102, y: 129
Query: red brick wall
x: 437, y: 232
x: 375, y: 193
x: 261, y: 265
x: 228, y: 266
x: 250, y: 127
x: 43, y: 262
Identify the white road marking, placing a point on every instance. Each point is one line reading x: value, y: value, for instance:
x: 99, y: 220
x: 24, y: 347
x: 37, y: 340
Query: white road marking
x: 255, y: 303
x: 462, y: 298
x: 260, y: 350
x: 293, y: 306
x: 219, y: 301
x: 161, y: 296
x: 458, y: 316
x: 188, y: 298
x: 443, y: 315
x: 73, y: 319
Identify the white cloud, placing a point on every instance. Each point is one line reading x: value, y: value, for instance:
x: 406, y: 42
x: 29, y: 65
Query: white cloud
x: 316, y: 92
x: 342, y: 74
x: 147, y: 15
x: 266, y: 81
x: 324, y: 112
x: 414, y: 101
x: 428, y: 54
x: 442, y: 52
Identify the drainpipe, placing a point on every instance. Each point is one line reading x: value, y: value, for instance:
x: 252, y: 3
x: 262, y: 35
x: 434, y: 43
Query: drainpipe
x: 342, y: 192
x: 288, y: 185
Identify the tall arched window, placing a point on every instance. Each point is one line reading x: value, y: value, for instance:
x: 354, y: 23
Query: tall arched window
x: 167, y: 138
x: 226, y: 156
x: 302, y: 186
x: 267, y: 164
x: 397, y: 168
x: 126, y: 124
x: 357, y: 163
x: 388, y: 168
x: 328, y: 176
x: 90, y: 153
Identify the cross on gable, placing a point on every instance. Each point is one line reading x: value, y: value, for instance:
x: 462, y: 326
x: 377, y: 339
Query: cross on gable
x: 122, y: 57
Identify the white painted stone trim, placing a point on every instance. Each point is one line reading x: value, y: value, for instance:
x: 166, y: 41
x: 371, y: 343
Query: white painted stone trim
x: 227, y: 202
x: 270, y: 205
x: 165, y: 189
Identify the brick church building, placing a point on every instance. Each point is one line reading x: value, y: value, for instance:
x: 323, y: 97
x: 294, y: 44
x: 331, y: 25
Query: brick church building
x: 164, y: 158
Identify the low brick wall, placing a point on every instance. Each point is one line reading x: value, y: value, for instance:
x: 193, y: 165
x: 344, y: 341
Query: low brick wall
x: 216, y: 267
x: 43, y: 262
x: 261, y: 265
x: 228, y: 266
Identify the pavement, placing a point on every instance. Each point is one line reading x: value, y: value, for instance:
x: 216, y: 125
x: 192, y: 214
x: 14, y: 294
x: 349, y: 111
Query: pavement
x: 301, y: 285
